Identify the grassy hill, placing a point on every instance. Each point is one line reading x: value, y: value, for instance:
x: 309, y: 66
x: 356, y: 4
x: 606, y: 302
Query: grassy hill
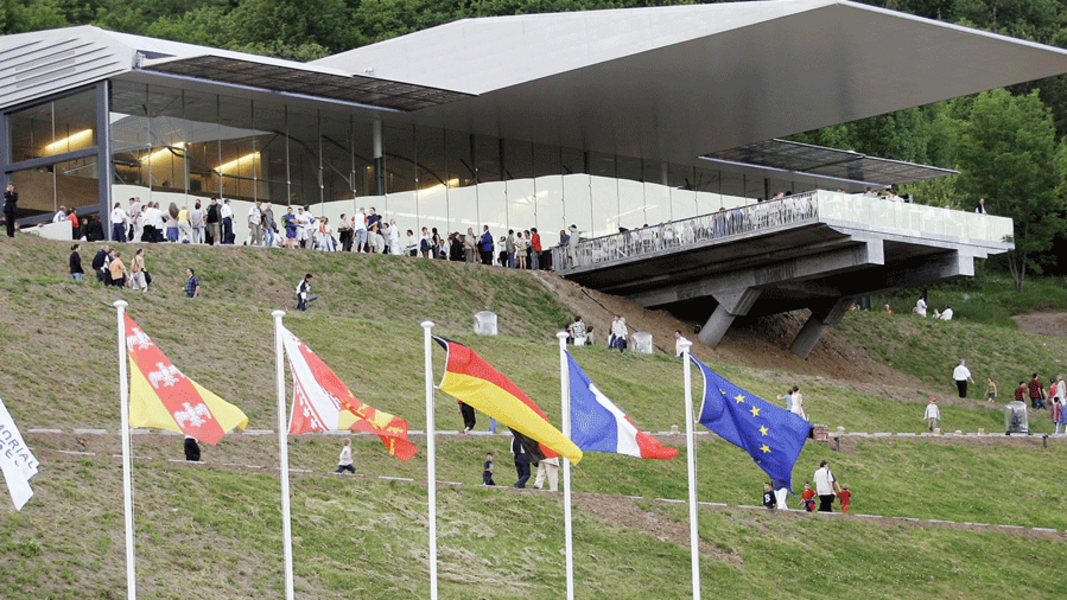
x: 214, y: 530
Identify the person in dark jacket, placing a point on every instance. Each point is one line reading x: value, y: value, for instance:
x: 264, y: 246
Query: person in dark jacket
x: 11, y: 208
x: 99, y: 265
x: 192, y: 449
x: 76, y: 270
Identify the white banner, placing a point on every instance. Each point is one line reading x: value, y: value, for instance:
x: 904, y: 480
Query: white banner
x: 16, y: 460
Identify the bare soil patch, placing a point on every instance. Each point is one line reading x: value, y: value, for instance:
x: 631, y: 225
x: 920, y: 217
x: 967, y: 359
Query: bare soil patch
x: 1052, y: 323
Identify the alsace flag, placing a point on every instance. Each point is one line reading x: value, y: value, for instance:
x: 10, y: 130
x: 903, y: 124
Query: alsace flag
x: 162, y: 397
x: 597, y: 425
x: 771, y: 435
x: 16, y: 460
x: 470, y: 379
x: 322, y: 402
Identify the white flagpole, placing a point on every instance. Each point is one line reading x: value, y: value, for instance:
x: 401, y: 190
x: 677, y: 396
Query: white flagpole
x: 691, y: 467
x: 431, y: 457
x: 283, y: 451
x: 565, y: 398
x: 127, y: 477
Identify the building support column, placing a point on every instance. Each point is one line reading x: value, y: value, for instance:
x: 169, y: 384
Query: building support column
x: 379, y: 159
x: 732, y: 304
x: 821, y: 318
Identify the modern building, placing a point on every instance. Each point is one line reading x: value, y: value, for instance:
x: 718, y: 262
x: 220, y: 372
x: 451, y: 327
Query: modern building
x: 603, y: 119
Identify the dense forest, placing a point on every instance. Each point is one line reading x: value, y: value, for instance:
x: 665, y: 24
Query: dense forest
x: 1007, y: 144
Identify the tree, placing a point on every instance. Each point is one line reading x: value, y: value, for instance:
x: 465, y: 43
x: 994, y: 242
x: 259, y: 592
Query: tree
x: 1007, y: 154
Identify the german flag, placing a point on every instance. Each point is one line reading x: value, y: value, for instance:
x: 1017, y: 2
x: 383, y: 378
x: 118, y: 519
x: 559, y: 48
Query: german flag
x: 161, y: 396
x: 470, y: 379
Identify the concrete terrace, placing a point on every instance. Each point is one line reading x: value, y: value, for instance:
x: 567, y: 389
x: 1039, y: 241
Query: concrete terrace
x: 818, y: 250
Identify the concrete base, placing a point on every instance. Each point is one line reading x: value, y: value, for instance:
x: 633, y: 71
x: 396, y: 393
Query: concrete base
x: 816, y: 325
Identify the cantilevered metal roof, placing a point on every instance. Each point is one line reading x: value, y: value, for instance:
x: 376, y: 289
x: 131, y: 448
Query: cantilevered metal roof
x: 830, y: 162
x: 678, y: 82
x: 359, y: 89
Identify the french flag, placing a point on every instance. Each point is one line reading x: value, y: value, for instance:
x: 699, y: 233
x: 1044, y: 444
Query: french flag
x: 597, y: 425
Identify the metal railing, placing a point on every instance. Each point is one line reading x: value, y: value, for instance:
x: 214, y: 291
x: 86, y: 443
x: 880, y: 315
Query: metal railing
x: 677, y: 235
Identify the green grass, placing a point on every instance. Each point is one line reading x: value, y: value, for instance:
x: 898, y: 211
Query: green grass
x: 211, y: 528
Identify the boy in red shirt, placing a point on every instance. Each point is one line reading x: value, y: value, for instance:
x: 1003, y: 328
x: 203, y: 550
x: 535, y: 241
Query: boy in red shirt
x: 808, y: 497
x: 844, y: 497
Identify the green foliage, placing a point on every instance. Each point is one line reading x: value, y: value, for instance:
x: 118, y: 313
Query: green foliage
x: 1008, y: 154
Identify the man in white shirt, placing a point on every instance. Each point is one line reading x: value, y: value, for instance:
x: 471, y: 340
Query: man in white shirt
x: 920, y: 307
x: 825, y: 486
x: 61, y: 215
x: 961, y: 375
x: 118, y: 223
x: 226, y: 213
x: 255, y: 218
x: 679, y: 341
x: 980, y: 209
x: 947, y: 315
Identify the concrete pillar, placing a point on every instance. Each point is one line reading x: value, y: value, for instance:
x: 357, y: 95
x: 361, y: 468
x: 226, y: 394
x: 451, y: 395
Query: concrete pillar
x: 379, y: 159
x: 732, y: 304
x: 821, y: 318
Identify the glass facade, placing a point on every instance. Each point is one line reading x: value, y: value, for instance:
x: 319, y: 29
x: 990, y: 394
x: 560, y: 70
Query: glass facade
x: 173, y: 145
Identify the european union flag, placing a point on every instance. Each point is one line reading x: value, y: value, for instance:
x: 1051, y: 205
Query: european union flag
x: 771, y: 435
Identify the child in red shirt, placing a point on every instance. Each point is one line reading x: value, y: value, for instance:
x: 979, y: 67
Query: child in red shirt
x: 844, y: 497
x: 808, y: 497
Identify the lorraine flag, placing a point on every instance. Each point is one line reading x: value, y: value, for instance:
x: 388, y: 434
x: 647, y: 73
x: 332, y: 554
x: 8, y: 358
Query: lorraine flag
x: 470, y: 379
x: 162, y: 397
x: 322, y: 402
x: 597, y: 425
x: 771, y: 435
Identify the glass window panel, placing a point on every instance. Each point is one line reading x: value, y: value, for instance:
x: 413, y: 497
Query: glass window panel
x: 75, y: 123
x: 399, y: 149
x: 31, y: 131
x: 201, y: 112
x: 129, y: 137
x: 304, y: 162
x: 604, y: 191
x: 631, y: 194
x: 165, y: 160
x: 577, y: 203
x: 657, y: 191
x: 549, y: 205
x: 37, y: 191
x: 683, y: 194
x: 338, y: 173
x: 521, y: 204
x: 492, y: 207
x: 76, y: 182
x: 271, y: 143
x: 433, y: 184
x: 363, y: 143
x: 518, y: 169
x: 462, y: 196
x: 487, y: 158
x: 463, y: 208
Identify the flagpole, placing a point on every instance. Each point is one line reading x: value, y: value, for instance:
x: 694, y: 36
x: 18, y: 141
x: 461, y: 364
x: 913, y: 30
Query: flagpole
x: 565, y: 399
x: 431, y: 457
x: 127, y: 477
x: 691, y: 468
x: 283, y: 451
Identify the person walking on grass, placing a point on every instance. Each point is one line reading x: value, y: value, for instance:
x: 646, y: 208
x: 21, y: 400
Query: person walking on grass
x: 192, y: 284
x: 76, y: 270
x: 932, y: 414
x: 1036, y: 390
x: 990, y: 389
x: 825, y: 486
x: 303, y: 293
x: 344, y: 462
x: 961, y: 375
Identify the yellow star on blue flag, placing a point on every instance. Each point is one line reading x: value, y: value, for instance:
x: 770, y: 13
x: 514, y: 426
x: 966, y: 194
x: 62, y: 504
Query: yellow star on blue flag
x: 771, y: 435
